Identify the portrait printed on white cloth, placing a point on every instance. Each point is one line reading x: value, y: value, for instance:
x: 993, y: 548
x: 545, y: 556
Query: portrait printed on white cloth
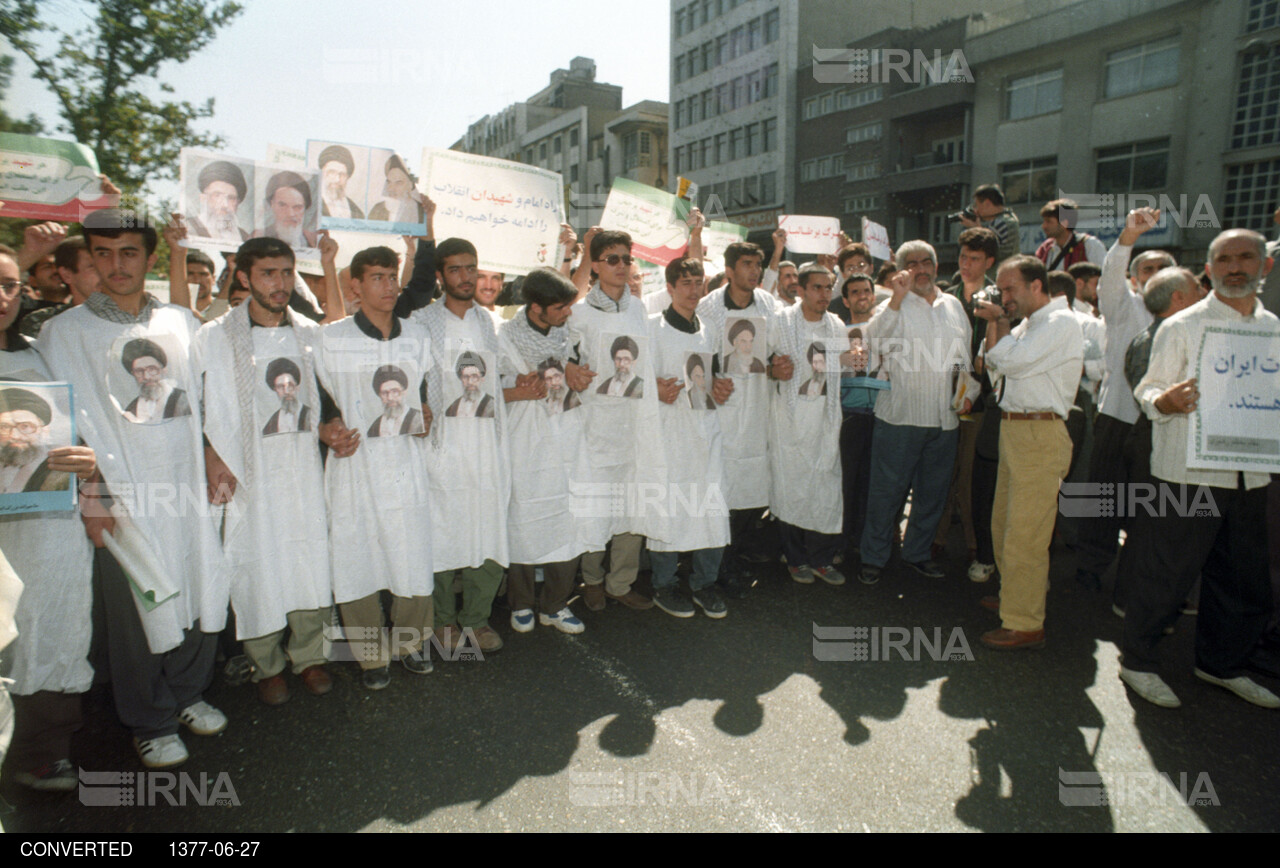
x: 622, y: 358
x: 560, y: 398
x: 288, y: 208
x: 395, y: 408
x: 283, y: 398
x: 145, y: 378
x: 35, y: 417
x: 218, y: 202
x: 469, y: 385
x: 744, y: 346
x: 696, y: 394
x: 813, y: 372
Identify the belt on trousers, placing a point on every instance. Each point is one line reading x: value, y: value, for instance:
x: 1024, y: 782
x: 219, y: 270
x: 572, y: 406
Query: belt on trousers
x: 1022, y: 417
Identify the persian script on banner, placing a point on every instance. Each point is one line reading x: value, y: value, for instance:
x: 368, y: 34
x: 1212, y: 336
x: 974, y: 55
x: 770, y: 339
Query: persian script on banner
x: 511, y: 212
x: 811, y: 234
x: 653, y: 218
x: 876, y: 237
x: 716, y: 238
x: 1236, y: 423
x: 366, y: 189
x: 48, y: 179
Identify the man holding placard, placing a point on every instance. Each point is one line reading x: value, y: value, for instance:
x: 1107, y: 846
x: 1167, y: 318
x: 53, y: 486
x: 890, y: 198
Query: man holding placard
x: 1219, y: 534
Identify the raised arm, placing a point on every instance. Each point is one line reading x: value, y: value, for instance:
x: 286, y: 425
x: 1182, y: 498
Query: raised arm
x: 175, y: 232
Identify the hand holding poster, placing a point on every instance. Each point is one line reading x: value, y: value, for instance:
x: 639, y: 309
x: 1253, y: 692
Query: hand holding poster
x: 49, y: 179
x: 653, y: 218
x: 365, y: 189
x: 818, y: 235
x: 1236, y: 423
x: 511, y: 212
x: 876, y: 237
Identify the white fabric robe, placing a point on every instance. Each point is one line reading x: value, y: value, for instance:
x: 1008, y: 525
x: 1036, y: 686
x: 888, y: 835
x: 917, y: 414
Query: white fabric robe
x: 623, y: 434
x: 547, y: 523
x: 691, y: 507
x: 159, y: 467
x: 276, y: 535
x: 804, y: 445
x: 380, y: 497
x: 744, y: 418
x: 53, y: 556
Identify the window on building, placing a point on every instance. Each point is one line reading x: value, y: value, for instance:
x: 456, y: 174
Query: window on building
x: 863, y: 171
x: 770, y: 80
x: 753, y: 139
x: 573, y: 138
x: 755, y: 34
x: 769, y: 135
x: 1033, y: 95
x: 1252, y: 190
x: 573, y: 174
x: 695, y: 110
x: 811, y: 108
x: 677, y: 70
x: 740, y: 91
x: 557, y: 145
x: 1141, y: 167
x: 737, y: 42
x: 679, y: 22
x: 735, y: 144
x: 755, y: 86
x: 735, y: 193
x: 1257, y: 109
x: 677, y: 116
x: 948, y: 150
x: 708, y: 55
x: 708, y: 103
x: 1263, y: 14
x: 861, y: 204
x: 856, y: 98
x: 1143, y: 67
x: 864, y: 133
x: 826, y: 103
x: 722, y: 148
x: 1030, y: 181
x: 772, y: 27
x: 768, y: 188
x: 542, y: 151
x: 722, y: 49
x: 751, y: 190
x: 528, y: 156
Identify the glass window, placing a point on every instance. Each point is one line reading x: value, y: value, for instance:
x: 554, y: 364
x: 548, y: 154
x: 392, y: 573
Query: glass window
x: 573, y: 138
x: 722, y: 148
x: 542, y: 151
x: 1144, y: 67
x: 769, y: 135
x: 708, y: 104
x: 755, y: 34
x: 1137, y: 168
x: 1257, y: 107
x: 811, y: 108
x: 1030, y: 181
x: 740, y: 91
x: 1252, y: 189
x: 724, y: 98
x: 771, y: 80
x: 769, y: 188
x: 557, y: 145
x: 1263, y: 14
x: 753, y: 139
x: 722, y: 49
x: 1033, y: 95
x: 735, y: 193
x: 735, y: 144
x: 772, y: 26
x: 751, y: 190
x: 864, y: 133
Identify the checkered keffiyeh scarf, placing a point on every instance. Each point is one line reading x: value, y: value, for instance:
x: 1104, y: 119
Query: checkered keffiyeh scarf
x: 600, y: 300
x: 102, y: 305
x: 533, y: 346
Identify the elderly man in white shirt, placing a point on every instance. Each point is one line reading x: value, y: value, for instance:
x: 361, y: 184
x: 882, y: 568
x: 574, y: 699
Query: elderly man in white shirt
x: 922, y: 335
x: 1035, y: 370
x: 1227, y: 547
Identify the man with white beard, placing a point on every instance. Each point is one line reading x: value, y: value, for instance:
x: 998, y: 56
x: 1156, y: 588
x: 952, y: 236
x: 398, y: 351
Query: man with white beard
x: 288, y: 201
x: 222, y: 188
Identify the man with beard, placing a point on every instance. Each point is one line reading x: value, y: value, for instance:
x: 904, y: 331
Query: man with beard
x: 158, y: 397
x: 559, y: 396
x: 336, y: 167
x: 283, y: 378
x: 390, y: 382
x: 24, y: 445
x: 474, y: 403
x: 1227, y: 548
x: 816, y: 386
x: 288, y: 201
x: 624, y: 383
x: 222, y: 188
x: 742, y: 361
x: 695, y: 380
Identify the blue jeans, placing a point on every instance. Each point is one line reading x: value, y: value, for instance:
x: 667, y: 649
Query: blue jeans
x: 706, y: 567
x: 906, y: 458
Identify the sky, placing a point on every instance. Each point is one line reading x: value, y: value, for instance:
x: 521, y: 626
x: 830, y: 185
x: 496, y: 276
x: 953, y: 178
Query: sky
x: 388, y: 73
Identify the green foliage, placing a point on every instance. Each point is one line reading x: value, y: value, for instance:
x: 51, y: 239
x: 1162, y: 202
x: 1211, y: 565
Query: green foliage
x: 29, y: 125
x: 101, y: 76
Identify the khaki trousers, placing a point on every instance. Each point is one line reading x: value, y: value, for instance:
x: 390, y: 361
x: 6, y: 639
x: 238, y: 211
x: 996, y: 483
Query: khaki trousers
x: 1035, y: 455
x: 411, y: 621
x: 305, y: 647
x: 624, y: 564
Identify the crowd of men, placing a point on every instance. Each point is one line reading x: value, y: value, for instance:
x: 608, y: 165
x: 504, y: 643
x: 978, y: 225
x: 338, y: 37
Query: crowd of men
x: 385, y: 434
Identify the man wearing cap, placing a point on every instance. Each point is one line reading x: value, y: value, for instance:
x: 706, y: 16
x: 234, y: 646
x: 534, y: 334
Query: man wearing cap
x: 158, y: 397
x: 24, y: 450
x: 390, y: 383
x: 336, y: 168
x: 222, y: 188
x: 284, y: 378
x: 473, y: 403
x: 288, y: 201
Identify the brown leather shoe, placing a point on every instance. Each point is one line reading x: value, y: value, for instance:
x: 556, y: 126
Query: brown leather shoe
x: 632, y: 600
x: 448, y: 638
x: 488, y: 639
x: 316, y: 679
x: 991, y: 604
x: 593, y: 596
x: 1011, y: 640
x: 273, y: 690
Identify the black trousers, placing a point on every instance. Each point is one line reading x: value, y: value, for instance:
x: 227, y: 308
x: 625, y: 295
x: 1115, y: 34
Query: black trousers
x: 743, y: 538
x: 855, y: 468
x: 1227, y: 550
x: 1137, y: 451
x: 1097, y: 540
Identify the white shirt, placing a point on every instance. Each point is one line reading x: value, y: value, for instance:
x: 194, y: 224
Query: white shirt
x: 1172, y: 355
x: 1040, y: 362
x: 920, y: 346
x: 1125, y: 316
x: 1095, y: 339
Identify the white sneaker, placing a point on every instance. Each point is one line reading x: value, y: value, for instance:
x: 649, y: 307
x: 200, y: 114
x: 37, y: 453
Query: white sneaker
x: 980, y: 572
x: 1245, y: 688
x: 203, y: 719
x: 1150, y: 687
x: 163, y: 752
x: 564, y: 621
x: 522, y: 620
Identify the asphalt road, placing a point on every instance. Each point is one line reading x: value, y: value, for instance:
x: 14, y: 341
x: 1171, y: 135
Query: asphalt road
x: 646, y: 722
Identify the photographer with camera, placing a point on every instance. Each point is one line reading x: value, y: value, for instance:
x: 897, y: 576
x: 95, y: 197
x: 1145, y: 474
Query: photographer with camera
x: 988, y: 210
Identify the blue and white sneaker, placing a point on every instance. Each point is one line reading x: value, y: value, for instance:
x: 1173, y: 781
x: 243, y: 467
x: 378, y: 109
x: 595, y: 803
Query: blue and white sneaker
x: 564, y: 621
x: 522, y: 620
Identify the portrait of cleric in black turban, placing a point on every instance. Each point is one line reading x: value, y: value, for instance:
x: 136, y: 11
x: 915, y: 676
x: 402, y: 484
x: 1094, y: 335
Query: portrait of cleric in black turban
x: 476, y: 402
x: 289, y: 212
x: 624, y: 352
x: 155, y: 394
x: 284, y: 378
x: 344, y: 178
x: 33, y: 419
x: 216, y: 194
x: 400, y: 413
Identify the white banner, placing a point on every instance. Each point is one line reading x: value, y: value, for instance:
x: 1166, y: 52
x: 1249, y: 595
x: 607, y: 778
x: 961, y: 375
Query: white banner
x: 807, y: 234
x: 511, y: 212
x: 876, y: 237
x: 1236, y: 423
